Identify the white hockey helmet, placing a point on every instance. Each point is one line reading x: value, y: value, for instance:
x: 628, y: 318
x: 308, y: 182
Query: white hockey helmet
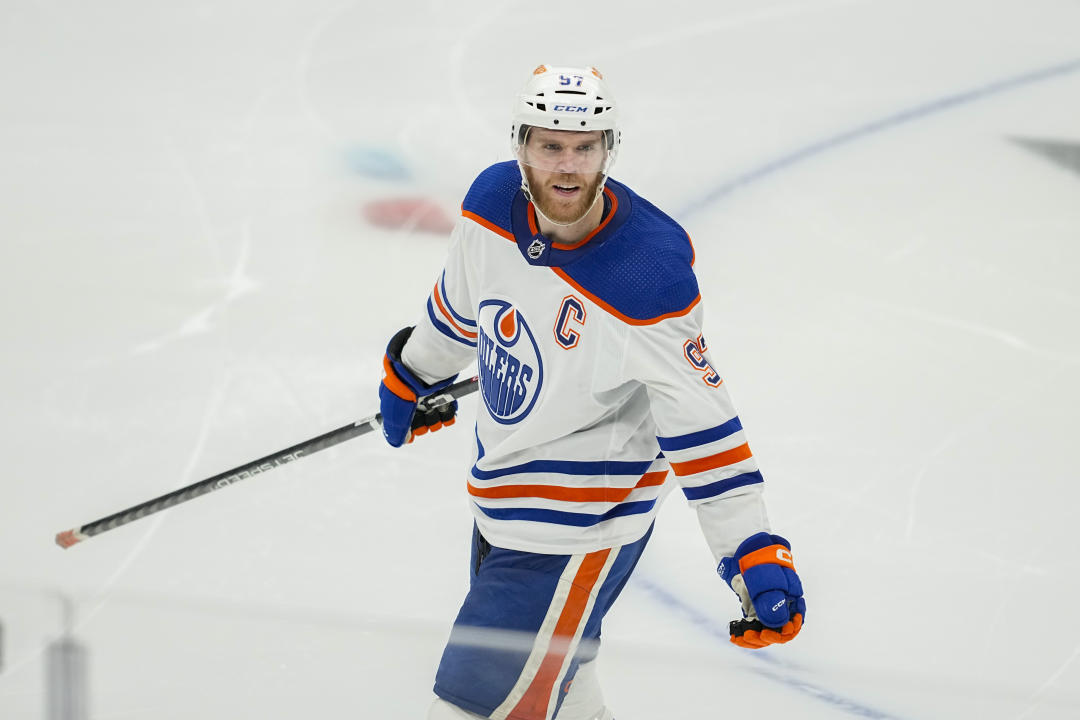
x: 566, y: 98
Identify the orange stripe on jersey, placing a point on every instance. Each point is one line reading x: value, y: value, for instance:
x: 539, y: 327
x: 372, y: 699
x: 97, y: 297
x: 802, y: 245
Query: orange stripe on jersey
x: 534, y: 704
x: 728, y: 457
x: 447, y: 316
x: 625, y: 318
x: 530, y: 213
x: 394, y: 385
x: 488, y: 224
x: 567, y: 494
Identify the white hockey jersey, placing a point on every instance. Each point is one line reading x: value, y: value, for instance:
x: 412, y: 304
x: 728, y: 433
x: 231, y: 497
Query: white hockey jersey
x: 596, y: 382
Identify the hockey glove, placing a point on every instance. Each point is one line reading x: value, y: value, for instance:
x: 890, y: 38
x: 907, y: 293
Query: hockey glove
x: 763, y: 575
x: 400, y: 394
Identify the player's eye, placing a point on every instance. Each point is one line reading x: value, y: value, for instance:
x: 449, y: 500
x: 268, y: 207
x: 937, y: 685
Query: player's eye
x: 553, y: 147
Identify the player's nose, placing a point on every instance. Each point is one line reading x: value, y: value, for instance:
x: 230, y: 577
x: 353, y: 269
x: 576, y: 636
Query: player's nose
x: 565, y: 163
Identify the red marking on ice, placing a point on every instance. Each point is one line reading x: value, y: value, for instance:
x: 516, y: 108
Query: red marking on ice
x: 409, y: 214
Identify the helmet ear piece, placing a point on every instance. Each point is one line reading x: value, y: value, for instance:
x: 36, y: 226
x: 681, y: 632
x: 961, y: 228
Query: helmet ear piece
x: 611, y: 138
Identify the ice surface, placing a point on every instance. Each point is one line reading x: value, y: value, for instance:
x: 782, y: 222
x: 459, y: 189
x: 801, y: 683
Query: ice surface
x: 189, y: 283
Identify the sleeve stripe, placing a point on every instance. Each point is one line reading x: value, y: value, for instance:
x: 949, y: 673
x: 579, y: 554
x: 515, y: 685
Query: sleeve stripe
x: 444, y: 328
x: 719, y: 460
x: 701, y: 437
x: 461, y: 331
x: 722, y: 486
x: 446, y: 301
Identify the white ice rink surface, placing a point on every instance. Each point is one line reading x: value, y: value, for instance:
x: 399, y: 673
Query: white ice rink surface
x: 892, y: 286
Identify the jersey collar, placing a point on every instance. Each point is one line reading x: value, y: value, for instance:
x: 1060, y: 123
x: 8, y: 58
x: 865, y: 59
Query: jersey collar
x: 539, y: 250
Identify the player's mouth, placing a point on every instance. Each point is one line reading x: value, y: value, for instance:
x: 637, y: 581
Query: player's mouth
x: 566, y: 191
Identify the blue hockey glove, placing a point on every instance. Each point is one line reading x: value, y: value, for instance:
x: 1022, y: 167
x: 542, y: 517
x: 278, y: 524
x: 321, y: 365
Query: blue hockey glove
x: 400, y: 393
x: 763, y: 575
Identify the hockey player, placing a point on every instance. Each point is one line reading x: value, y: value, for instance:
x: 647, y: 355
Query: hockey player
x: 578, y: 300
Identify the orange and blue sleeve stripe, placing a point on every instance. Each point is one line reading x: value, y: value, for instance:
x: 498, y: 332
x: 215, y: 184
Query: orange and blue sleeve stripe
x: 711, y: 462
x: 446, y: 319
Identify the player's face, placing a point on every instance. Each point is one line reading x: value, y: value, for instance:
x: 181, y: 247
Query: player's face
x: 564, y: 170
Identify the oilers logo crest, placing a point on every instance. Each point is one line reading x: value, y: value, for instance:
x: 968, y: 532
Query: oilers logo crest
x: 508, y: 358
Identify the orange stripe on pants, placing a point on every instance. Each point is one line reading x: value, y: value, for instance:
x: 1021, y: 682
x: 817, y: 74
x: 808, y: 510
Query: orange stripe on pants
x: 534, y: 704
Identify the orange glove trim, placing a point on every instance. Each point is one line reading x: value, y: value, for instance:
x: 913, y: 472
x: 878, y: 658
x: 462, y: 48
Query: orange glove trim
x: 393, y: 384
x: 776, y: 554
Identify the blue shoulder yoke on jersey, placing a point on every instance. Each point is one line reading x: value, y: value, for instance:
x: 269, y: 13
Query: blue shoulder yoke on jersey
x: 638, y: 265
x: 645, y: 270
x: 491, y: 195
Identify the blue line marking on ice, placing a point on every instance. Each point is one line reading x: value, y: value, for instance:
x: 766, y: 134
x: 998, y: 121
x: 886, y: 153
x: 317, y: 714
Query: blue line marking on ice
x: 773, y: 669
x: 876, y: 126
x: 777, y: 670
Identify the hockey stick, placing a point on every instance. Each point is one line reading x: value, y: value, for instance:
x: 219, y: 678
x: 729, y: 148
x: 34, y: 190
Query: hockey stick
x: 68, y: 538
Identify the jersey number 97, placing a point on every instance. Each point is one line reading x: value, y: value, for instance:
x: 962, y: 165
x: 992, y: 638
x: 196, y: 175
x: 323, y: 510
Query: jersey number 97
x: 695, y: 350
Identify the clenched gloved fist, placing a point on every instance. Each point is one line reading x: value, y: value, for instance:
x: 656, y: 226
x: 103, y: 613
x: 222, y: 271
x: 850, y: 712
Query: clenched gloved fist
x: 401, y: 395
x: 763, y: 575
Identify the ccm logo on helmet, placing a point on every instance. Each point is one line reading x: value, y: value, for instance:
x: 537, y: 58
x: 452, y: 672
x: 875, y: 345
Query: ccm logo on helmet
x: 569, y: 108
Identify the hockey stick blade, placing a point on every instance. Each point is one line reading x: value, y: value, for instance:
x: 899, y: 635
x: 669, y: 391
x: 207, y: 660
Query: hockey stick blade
x: 68, y: 538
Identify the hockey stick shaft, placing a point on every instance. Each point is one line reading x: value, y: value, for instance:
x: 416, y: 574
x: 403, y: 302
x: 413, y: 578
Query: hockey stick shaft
x: 71, y: 537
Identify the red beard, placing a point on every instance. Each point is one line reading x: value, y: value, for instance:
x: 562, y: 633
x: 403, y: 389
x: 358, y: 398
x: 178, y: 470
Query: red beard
x: 561, y: 208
